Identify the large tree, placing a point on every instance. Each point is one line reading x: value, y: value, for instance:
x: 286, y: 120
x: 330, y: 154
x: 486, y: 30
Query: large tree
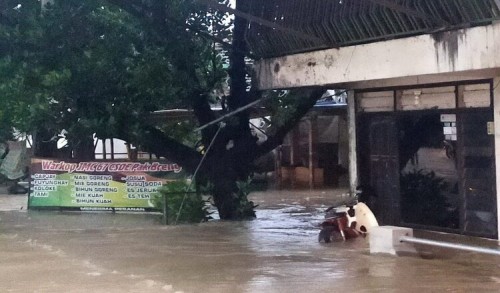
x: 101, y: 67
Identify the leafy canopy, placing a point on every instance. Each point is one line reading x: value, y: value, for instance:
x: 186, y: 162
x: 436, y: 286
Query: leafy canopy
x: 90, y: 67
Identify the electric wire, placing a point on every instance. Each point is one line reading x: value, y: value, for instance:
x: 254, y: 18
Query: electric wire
x: 221, y: 125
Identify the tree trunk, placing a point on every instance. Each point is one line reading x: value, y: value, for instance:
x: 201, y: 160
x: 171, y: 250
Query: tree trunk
x: 225, y: 199
x: 231, y: 202
x: 237, y: 72
x: 84, y: 150
x: 43, y: 146
x: 232, y: 163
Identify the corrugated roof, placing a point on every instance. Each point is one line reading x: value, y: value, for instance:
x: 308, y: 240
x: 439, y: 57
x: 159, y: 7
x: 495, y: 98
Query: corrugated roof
x: 337, y: 23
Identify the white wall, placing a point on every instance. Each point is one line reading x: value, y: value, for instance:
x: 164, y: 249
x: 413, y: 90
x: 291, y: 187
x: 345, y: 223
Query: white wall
x: 457, y: 55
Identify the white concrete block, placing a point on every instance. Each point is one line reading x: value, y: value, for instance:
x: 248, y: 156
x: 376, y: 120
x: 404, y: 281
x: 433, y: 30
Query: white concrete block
x: 385, y: 239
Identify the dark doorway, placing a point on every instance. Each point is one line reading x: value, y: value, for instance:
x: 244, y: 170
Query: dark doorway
x: 476, y: 151
x: 383, y: 162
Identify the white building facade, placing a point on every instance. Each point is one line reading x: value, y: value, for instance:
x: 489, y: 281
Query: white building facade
x: 425, y: 106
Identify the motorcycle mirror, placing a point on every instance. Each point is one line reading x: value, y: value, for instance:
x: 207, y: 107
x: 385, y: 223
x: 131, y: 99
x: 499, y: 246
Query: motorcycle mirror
x: 351, y: 212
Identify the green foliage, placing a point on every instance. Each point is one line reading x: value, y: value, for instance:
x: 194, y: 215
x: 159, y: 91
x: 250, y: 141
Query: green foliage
x: 90, y: 67
x: 194, y: 208
x: 423, y: 199
x: 245, y: 206
x: 283, y: 105
x: 181, y: 131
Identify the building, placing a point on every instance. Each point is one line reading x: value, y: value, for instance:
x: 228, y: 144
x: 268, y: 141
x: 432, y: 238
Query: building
x: 315, y: 153
x: 423, y: 98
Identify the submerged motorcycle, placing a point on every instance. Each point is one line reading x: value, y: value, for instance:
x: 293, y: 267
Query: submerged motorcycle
x: 346, y: 222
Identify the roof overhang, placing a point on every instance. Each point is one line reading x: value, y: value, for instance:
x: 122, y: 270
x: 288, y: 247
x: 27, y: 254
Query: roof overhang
x: 277, y: 27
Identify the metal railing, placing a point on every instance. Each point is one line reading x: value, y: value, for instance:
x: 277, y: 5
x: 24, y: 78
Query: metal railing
x: 457, y: 246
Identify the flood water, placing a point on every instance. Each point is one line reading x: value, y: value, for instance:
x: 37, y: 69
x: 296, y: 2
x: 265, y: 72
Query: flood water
x: 277, y: 252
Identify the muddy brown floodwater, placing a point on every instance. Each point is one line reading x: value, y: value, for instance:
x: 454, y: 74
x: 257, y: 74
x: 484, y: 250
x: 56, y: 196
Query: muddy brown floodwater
x: 277, y: 252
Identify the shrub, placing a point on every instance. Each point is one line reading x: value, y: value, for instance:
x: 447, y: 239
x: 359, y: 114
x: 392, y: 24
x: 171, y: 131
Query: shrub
x: 183, y: 205
x: 246, y: 208
x: 424, y: 201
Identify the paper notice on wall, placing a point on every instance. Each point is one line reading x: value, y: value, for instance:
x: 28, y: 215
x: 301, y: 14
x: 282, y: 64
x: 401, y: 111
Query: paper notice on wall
x: 449, y: 130
x: 448, y: 118
x: 452, y: 137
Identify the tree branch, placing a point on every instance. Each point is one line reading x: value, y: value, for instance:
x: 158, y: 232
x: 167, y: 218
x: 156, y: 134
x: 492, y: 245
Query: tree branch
x: 305, y: 104
x: 204, y: 114
x: 163, y: 146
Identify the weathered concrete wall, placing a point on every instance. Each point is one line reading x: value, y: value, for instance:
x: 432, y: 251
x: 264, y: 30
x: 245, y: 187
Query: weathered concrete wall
x: 462, y: 54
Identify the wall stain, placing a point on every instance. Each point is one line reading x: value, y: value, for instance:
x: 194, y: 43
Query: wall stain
x: 329, y: 61
x: 276, y: 67
x: 448, y: 43
x: 265, y: 73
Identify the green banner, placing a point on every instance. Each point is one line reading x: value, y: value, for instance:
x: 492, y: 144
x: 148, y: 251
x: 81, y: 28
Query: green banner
x: 98, y: 185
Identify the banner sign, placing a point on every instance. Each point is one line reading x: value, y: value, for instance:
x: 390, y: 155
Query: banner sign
x: 98, y: 185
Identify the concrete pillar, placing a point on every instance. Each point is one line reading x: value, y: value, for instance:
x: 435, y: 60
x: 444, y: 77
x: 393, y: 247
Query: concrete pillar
x: 313, y: 137
x: 112, y: 146
x: 496, y: 117
x: 351, y: 123
x: 104, y: 150
x: 277, y: 172
x: 343, y: 140
x: 294, y: 152
x: 386, y: 239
